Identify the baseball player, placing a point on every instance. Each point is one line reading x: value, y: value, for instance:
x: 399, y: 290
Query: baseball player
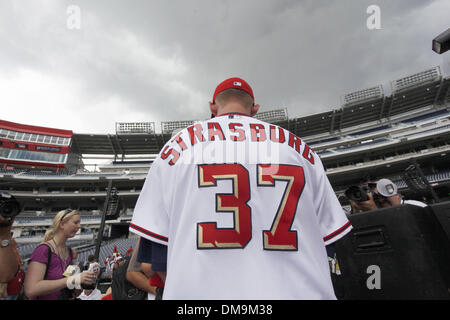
x: 244, y: 206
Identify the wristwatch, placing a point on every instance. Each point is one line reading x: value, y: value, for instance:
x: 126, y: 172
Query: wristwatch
x: 4, y: 243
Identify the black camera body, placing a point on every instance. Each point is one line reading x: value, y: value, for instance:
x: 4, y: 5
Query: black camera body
x: 9, y: 206
x: 361, y: 193
x: 357, y: 193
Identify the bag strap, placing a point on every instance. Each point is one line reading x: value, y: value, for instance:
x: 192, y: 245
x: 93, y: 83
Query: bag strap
x: 49, y: 254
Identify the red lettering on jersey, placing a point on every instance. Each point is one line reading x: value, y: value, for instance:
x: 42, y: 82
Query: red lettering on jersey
x: 176, y: 156
x: 209, y: 236
x: 273, y: 137
x: 180, y: 141
x: 167, y: 152
x: 258, y: 132
x: 214, y: 129
x: 241, y: 132
x: 308, y: 154
x: 195, y: 131
x: 280, y: 236
x: 294, y: 142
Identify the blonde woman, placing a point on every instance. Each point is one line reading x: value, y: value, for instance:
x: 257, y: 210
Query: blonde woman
x: 44, y: 282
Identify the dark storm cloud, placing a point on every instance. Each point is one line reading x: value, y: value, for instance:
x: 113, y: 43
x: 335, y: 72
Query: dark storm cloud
x: 161, y: 60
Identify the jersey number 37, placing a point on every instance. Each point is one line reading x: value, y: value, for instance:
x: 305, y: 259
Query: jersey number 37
x: 279, y: 236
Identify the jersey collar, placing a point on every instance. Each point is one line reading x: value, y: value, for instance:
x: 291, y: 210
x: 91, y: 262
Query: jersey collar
x: 234, y: 113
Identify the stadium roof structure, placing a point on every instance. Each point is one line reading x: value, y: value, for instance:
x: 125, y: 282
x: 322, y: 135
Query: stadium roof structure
x: 140, y: 143
x: 118, y: 144
x: 8, y: 125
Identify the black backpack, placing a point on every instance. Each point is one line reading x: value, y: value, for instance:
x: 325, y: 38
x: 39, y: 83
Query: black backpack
x: 121, y: 288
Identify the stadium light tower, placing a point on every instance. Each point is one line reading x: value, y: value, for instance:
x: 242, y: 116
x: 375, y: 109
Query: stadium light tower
x: 441, y: 43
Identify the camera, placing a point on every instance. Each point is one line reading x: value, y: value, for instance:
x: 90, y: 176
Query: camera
x: 9, y: 206
x: 361, y: 193
x: 357, y: 193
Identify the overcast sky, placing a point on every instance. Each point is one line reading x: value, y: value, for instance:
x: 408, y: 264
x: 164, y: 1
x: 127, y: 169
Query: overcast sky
x: 133, y: 61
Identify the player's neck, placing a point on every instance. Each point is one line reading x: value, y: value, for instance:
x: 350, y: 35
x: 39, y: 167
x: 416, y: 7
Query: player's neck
x: 233, y: 108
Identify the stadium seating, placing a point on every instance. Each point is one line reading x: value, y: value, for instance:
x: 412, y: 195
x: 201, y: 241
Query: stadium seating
x: 106, y: 249
x: 428, y: 116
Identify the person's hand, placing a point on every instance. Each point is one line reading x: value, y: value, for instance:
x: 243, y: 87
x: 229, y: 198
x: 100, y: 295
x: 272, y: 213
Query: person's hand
x: 75, y: 281
x: 87, y: 277
x: 364, y: 205
x: 395, y: 200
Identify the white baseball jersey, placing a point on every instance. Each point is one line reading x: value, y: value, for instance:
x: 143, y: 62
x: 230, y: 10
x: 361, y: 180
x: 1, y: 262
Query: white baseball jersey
x: 246, y: 210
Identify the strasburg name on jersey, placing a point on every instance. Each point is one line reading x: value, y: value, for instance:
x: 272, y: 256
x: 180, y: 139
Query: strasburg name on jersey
x: 234, y: 131
x: 246, y: 210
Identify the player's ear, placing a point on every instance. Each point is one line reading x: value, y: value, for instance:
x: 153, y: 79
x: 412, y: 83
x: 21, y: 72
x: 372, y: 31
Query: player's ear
x: 254, y: 109
x: 213, y: 108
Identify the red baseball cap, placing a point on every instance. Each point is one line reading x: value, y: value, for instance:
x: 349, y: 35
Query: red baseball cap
x: 233, y: 83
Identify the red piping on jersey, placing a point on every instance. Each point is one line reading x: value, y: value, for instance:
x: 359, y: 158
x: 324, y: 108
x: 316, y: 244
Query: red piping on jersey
x: 337, y: 232
x: 149, y: 233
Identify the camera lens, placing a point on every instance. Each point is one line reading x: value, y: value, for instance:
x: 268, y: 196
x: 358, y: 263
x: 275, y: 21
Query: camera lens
x: 9, y: 208
x: 355, y: 193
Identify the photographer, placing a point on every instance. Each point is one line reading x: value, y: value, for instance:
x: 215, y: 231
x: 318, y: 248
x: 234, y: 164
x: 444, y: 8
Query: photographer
x: 389, y: 196
x: 10, y: 262
x: 375, y: 195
